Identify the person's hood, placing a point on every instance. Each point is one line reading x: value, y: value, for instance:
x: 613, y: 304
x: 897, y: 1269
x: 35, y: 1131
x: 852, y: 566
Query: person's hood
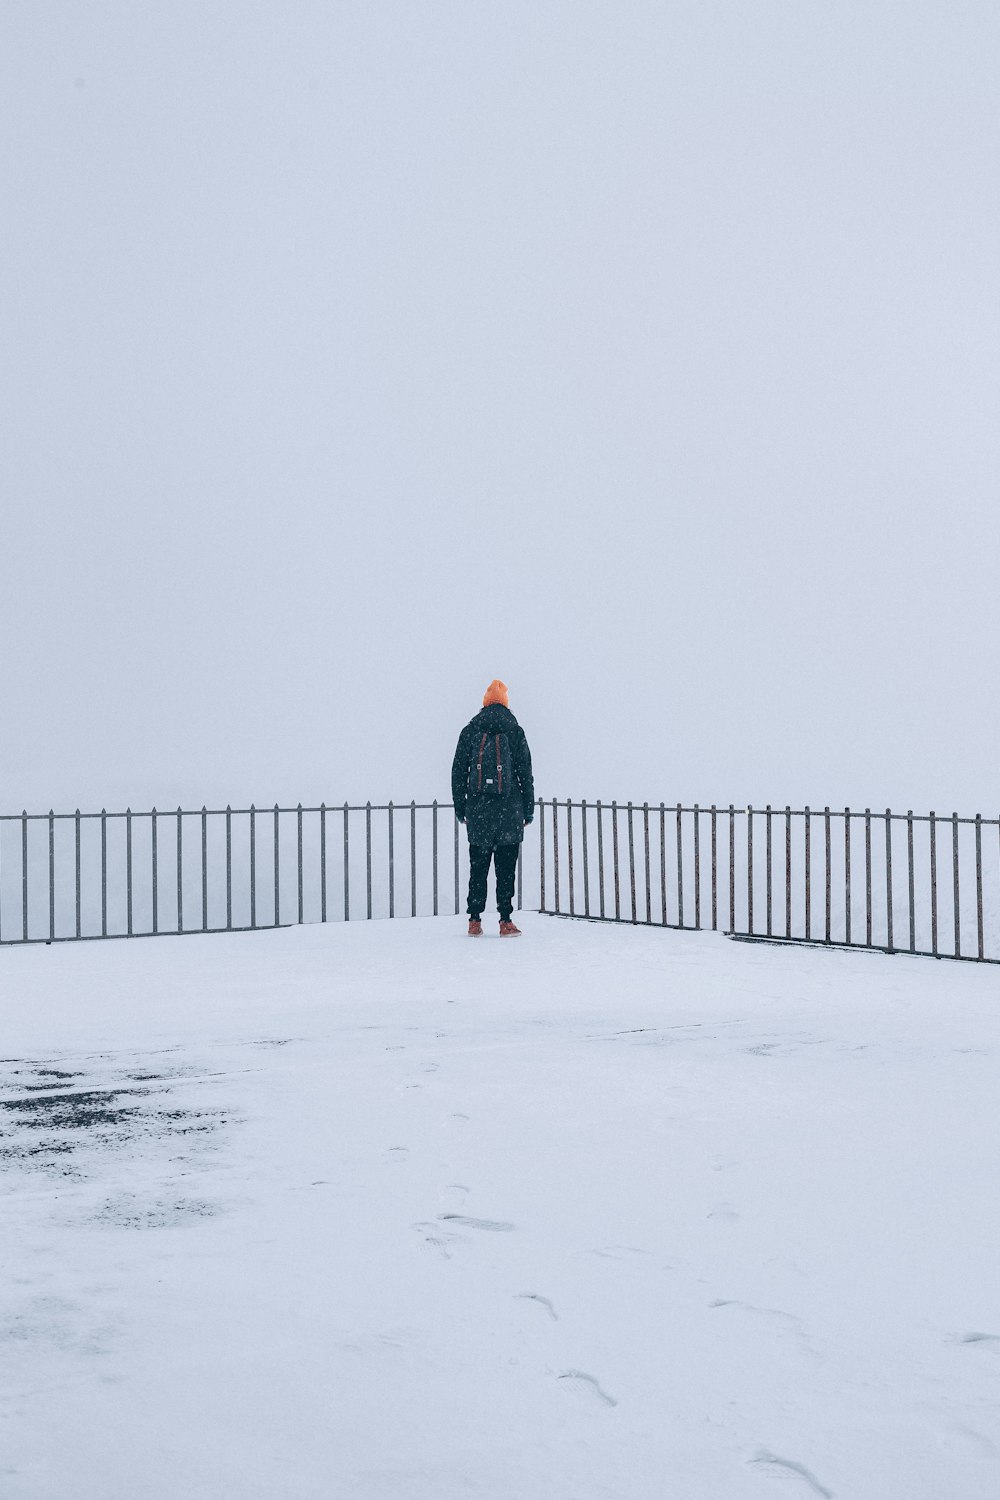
x: 494, y: 719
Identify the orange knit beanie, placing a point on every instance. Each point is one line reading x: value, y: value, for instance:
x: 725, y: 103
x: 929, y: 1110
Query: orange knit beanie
x: 496, y: 693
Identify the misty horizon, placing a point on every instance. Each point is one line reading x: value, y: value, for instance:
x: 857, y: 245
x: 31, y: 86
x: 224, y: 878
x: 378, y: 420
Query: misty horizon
x: 643, y: 356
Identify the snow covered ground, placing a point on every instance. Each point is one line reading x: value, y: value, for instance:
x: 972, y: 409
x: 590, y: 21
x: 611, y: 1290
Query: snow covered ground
x: 376, y: 1212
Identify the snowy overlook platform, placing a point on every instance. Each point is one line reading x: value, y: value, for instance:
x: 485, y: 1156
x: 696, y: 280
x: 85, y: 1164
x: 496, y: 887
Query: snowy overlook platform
x: 376, y: 1212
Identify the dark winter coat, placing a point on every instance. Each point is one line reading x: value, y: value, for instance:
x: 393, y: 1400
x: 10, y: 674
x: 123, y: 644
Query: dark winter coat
x: 493, y: 821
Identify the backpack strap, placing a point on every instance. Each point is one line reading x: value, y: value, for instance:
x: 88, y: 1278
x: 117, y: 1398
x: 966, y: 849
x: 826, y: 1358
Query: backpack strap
x: 482, y: 747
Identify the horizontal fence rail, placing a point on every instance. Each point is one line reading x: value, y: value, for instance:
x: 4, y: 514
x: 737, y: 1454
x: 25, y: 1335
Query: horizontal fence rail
x: 920, y: 883
x: 66, y: 876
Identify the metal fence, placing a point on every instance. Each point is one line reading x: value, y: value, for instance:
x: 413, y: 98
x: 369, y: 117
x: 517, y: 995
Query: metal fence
x: 67, y: 876
x: 893, y: 882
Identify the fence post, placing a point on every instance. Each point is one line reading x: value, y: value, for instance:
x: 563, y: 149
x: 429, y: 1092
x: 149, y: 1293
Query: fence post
x: 569, y: 855
x: 868, y: 877
x: 631, y: 864
x: 52, y: 874
x: 600, y: 855
x: 456, y: 867
x: 253, y: 866
x: 277, y: 865
x: 322, y: 861
x: 180, y: 870
x: 954, y: 845
x: 715, y: 913
x: 392, y: 867
x: 347, y: 864
x: 128, y: 826
x: 847, y: 875
x: 298, y: 847
x: 979, y: 882
x: 680, y: 869
x: 910, y: 890
x: 697, y: 867
x: 368, y: 856
x: 663, y: 863
x: 229, y: 868
x: 645, y: 837
x: 732, y: 868
x: 828, y: 859
x: 128, y: 872
x: 934, y: 911
x: 24, y: 872
x: 888, y: 879
x: 808, y: 870
x: 555, y: 849
x: 541, y: 853
x: 750, y: 868
x: 614, y: 855
x: 768, y: 839
x: 204, y: 868
x: 788, y: 871
x: 586, y: 867
x: 434, y: 852
x: 413, y: 859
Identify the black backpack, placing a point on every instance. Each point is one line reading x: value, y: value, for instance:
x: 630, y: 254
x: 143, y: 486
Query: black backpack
x: 491, y: 773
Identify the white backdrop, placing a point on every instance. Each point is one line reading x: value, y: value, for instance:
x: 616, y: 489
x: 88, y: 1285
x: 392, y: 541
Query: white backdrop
x: 645, y: 356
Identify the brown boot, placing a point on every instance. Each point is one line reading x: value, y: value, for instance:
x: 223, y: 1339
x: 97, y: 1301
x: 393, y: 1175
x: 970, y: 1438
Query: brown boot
x: 507, y: 929
x: 475, y: 927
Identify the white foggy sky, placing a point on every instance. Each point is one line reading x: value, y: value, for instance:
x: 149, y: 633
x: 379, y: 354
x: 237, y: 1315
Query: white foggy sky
x: 643, y: 354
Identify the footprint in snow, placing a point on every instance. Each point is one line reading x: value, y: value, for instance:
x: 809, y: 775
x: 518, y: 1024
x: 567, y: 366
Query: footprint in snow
x: 763, y: 1457
x: 980, y: 1338
x: 774, y: 1315
x: 498, y: 1226
x: 588, y: 1382
x: 618, y: 1252
x: 765, y: 1312
x: 543, y: 1301
x: 441, y: 1240
x: 978, y: 1439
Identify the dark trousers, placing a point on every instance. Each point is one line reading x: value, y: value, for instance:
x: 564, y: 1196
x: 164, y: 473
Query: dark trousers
x: 505, y: 863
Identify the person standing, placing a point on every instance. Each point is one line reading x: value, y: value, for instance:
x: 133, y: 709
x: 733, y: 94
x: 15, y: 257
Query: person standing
x: 494, y: 796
